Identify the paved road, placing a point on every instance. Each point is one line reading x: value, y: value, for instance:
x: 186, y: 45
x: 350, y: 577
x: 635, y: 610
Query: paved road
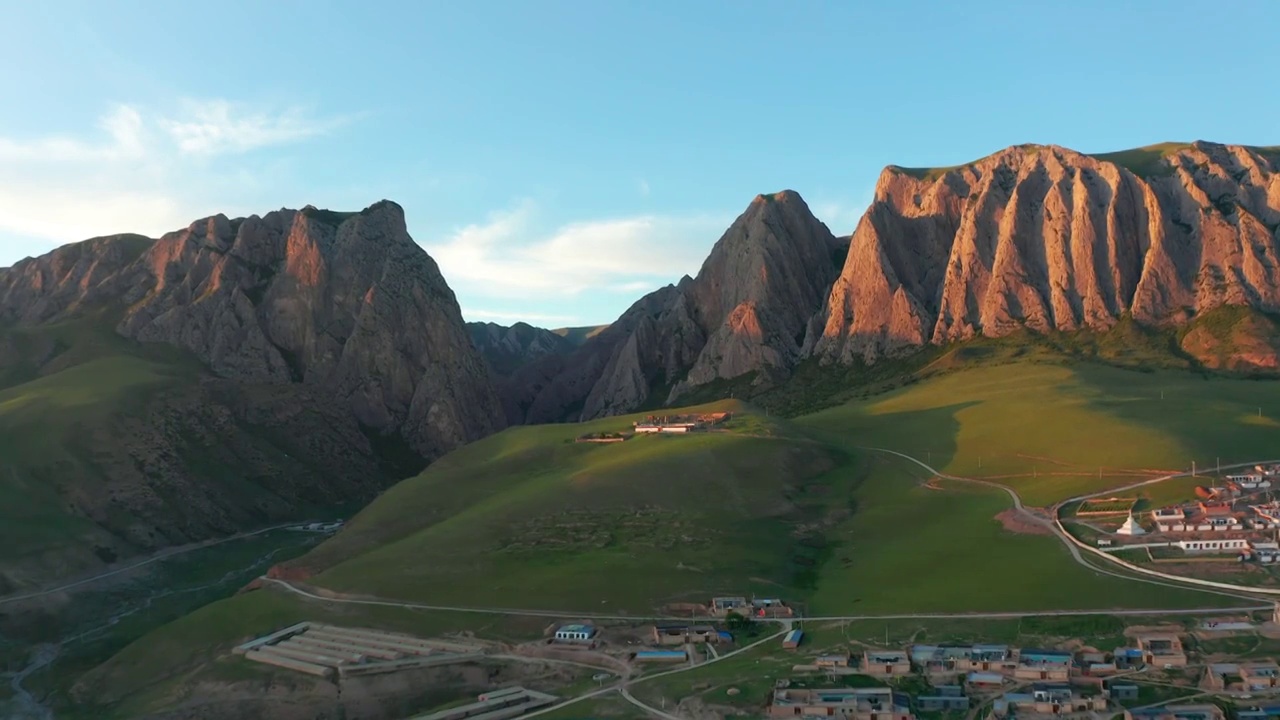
x: 1056, y: 528
x: 164, y: 555
x: 820, y: 618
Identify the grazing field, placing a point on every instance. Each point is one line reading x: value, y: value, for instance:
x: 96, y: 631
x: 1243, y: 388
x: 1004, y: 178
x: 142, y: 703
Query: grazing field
x: 914, y: 546
x: 530, y: 519
x: 1053, y: 431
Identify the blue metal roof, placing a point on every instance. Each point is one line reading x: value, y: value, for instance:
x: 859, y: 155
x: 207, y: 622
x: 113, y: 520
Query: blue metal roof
x: 794, y: 636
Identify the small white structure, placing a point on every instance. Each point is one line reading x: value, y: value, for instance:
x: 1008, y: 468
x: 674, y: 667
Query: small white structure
x: 1131, y: 527
x: 575, y: 633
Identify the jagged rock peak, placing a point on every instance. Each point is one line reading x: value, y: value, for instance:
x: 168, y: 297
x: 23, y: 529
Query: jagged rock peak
x: 346, y: 301
x: 1048, y: 238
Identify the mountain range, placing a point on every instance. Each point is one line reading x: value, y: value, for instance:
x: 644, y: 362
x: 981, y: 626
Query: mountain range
x: 246, y: 371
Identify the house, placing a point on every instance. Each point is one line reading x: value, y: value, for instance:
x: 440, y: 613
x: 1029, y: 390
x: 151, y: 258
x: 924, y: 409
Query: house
x: 723, y: 606
x: 1162, y: 650
x: 1121, y: 691
x: 886, y: 663
x: 661, y: 656
x: 770, y: 607
x: 1047, y: 665
x: 1216, y: 545
x: 834, y: 660
x: 1177, y: 712
x: 1260, y: 675
x: 1243, y: 677
x: 1047, y: 699
x: 1128, y: 658
x: 945, y: 698
x: 1095, y: 664
x: 984, y: 680
x: 1270, y: 711
x: 791, y: 640
x: 849, y: 703
x: 934, y: 659
x: 1265, y: 552
x: 682, y: 634
x: 1168, y: 514
x: 576, y: 633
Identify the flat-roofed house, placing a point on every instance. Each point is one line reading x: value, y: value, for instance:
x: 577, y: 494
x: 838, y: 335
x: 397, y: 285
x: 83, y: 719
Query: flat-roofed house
x: 849, y: 703
x: 1046, y: 665
x: 1163, y: 650
x: 683, y: 633
x: 1243, y: 677
x: 935, y: 659
x: 945, y: 698
x: 886, y: 663
x: 832, y: 660
x: 1198, y: 711
x: 1048, y: 699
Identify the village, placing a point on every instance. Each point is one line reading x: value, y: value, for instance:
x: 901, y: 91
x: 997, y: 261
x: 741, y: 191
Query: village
x: 1137, y: 679
x: 1237, y: 516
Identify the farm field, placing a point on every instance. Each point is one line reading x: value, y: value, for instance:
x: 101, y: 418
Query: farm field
x: 1054, y: 431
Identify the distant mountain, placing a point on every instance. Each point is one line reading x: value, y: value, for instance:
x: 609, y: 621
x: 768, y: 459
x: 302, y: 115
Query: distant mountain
x: 225, y: 376
x: 748, y: 310
x: 1037, y: 238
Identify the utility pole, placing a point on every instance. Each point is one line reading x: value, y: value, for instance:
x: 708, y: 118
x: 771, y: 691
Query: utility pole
x: 1193, y: 468
x: 1219, y: 460
x: 1161, y: 394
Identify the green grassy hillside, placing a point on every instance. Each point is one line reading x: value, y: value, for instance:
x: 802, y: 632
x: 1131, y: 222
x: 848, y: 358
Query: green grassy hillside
x: 800, y: 509
x: 540, y: 518
x: 61, y: 384
x: 1048, y: 429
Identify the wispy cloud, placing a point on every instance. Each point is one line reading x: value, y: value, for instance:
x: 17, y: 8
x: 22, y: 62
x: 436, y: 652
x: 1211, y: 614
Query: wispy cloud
x: 507, y: 258
x: 218, y: 126
x: 643, y: 187
x: 139, y: 169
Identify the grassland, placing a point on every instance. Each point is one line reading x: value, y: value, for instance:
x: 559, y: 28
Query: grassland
x: 1054, y: 431
x: 90, y: 376
x: 540, y: 518
x: 794, y: 508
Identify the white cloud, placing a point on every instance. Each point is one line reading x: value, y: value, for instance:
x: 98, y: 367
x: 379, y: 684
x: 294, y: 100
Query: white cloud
x: 643, y: 186
x: 217, y: 126
x: 506, y: 258
x: 141, y: 170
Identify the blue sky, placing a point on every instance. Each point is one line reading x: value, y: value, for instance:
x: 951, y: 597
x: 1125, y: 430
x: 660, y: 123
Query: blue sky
x: 560, y: 158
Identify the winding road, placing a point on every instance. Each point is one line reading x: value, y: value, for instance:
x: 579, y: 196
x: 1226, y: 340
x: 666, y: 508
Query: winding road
x: 1073, y: 545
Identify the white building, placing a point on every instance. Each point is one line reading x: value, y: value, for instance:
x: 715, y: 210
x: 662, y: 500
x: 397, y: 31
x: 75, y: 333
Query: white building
x: 1224, y: 545
x: 575, y: 633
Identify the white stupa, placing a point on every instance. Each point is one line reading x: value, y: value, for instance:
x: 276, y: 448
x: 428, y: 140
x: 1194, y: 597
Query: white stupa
x: 1131, y: 528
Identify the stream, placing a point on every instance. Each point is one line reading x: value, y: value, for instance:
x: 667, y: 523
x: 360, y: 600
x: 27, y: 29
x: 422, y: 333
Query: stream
x: 26, y: 706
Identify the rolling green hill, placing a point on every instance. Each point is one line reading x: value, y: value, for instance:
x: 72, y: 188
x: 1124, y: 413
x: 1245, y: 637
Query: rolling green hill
x: 799, y: 509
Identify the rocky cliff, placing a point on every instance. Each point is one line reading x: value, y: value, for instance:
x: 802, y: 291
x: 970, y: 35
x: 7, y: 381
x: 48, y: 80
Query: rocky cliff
x: 747, y: 310
x: 245, y: 371
x: 1046, y: 238
x: 1032, y: 237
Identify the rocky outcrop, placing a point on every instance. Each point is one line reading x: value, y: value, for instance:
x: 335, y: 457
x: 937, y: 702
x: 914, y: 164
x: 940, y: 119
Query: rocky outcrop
x: 1046, y: 238
x: 747, y: 311
x: 507, y: 349
x: 347, y: 302
x: 283, y: 364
